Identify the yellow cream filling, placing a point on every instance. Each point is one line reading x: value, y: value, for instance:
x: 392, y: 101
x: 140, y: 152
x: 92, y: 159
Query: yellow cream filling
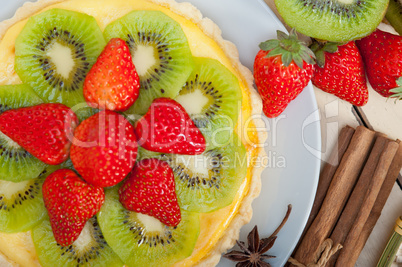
x: 214, y: 224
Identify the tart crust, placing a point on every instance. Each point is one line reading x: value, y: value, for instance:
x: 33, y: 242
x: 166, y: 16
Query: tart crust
x: 253, y: 141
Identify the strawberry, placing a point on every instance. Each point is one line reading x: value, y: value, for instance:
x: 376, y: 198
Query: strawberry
x: 104, y: 149
x: 340, y: 71
x: 70, y: 203
x: 44, y: 130
x: 167, y: 128
x: 150, y: 189
x: 113, y: 82
x: 282, y: 69
x: 382, y: 56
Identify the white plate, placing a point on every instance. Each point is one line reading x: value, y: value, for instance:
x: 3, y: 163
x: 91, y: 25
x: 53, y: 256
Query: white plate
x: 294, y: 137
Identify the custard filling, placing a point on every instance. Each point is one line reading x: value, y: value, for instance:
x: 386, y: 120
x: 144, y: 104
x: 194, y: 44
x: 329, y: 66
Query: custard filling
x: 213, y: 225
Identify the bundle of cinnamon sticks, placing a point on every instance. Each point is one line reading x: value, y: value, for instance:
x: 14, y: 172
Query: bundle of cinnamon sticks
x: 353, y: 188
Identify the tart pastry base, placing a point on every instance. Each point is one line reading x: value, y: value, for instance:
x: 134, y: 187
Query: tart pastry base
x: 24, y: 252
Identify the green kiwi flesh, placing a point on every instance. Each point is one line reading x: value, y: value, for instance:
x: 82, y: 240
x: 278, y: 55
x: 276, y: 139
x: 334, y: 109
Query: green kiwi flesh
x: 333, y: 20
x: 141, y: 240
x: 160, y: 52
x: 54, y: 52
x: 16, y: 164
x: 207, y: 182
x: 90, y: 249
x: 212, y: 97
x: 21, y: 204
x: 394, y: 15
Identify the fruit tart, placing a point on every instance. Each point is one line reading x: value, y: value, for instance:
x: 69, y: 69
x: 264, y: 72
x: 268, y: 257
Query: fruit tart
x: 59, y: 53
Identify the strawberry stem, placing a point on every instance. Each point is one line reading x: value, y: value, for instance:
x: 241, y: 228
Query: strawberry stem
x: 319, y: 50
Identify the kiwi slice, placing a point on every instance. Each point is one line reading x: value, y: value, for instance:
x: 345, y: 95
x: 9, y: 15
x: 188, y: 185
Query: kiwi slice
x: 207, y: 182
x: 160, y: 52
x: 212, y: 97
x: 141, y: 240
x: 21, y: 204
x: 16, y: 164
x: 333, y: 20
x: 90, y: 249
x: 394, y: 15
x: 54, y: 52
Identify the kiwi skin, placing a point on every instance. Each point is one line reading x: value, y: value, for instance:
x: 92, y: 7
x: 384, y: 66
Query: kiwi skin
x: 394, y: 15
x: 331, y: 20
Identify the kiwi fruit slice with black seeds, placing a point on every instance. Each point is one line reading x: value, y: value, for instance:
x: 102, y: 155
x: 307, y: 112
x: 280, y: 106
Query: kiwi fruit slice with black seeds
x: 160, y: 53
x: 394, y: 15
x: 16, y: 164
x: 141, y: 240
x: 207, y: 182
x: 54, y: 52
x: 212, y: 98
x: 333, y: 20
x: 21, y: 204
x: 90, y: 249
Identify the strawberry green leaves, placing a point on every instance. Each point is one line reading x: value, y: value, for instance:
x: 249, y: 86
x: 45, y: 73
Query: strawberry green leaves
x: 397, y: 90
x: 290, y: 48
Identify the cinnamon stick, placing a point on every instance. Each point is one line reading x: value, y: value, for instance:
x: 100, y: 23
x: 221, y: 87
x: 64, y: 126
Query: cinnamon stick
x: 328, y: 172
x: 339, y: 190
x: 369, y: 199
x: 354, y: 204
x: 379, y: 204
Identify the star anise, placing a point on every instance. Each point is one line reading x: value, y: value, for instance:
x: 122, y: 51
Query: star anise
x: 253, y: 254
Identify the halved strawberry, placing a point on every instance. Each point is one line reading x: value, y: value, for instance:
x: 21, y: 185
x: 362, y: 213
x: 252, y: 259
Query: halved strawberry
x: 70, y: 203
x: 105, y: 148
x: 150, y: 189
x: 44, y: 130
x: 167, y: 128
x: 113, y: 82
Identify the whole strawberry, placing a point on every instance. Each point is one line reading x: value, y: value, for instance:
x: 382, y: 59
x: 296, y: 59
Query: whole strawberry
x: 167, y: 128
x: 44, y: 130
x: 150, y: 189
x: 382, y: 56
x: 70, y: 203
x: 113, y: 82
x: 104, y: 149
x: 340, y: 72
x: 282, y: 69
